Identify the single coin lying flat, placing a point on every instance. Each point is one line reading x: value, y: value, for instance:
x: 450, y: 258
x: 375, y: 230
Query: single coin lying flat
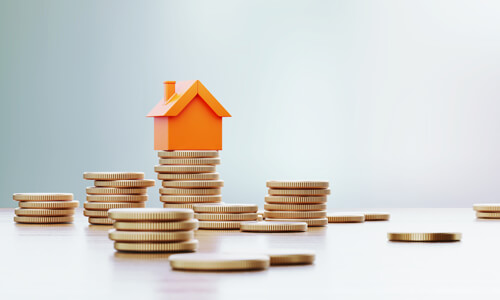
x: 188, y: 153
x: 226, y: 208
x: 262, y: 226
x: 49, y: 204
x: 150, y: 214
x: 297, y: 184
x: 186, y: 246
x: 288, y: 256
x: 377, y: 216
x: 424, y: 236
x: 113, y: 175
x: 157, y: 226
x: 42, y: 196
x: 219, y: 262
x: 488, y: 207
x: 345, y: 218
x: 125, y: 183
x: 100, y: 221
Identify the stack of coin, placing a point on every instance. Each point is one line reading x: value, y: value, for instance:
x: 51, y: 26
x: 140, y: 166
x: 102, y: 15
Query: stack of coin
x: 224, y: 216
x: 487, y: 211
x: 153, y: 229
x: 114, y: 190
x: 44, y: 208
x: 189, y: 178
x: 297, y: 201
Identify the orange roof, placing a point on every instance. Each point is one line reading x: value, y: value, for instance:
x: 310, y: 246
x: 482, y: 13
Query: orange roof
x: 185, y: 91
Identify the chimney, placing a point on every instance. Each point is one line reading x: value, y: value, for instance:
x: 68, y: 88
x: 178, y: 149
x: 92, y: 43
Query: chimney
x: 169, y: 89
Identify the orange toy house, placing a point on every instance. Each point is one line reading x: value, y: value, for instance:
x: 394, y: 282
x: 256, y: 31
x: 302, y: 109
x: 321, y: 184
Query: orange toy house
x: 189, y: 118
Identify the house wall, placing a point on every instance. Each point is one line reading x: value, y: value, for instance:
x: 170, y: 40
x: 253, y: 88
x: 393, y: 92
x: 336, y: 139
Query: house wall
x: 197, y: 127
x: 161, y: 133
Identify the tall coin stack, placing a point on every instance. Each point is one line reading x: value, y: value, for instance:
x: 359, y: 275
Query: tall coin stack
x: 153, y: 230
x: 114, y: 190
x: 224, y: 216
x: 44, y: 208
x: 189, y: 178
x: 297, y: 201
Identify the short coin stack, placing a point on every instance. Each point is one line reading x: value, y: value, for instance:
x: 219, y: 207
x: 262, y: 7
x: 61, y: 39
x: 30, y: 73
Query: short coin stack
x: 44, y: 208
x: 189, y: 178
x: 297, y: 201
x: 114, y: 190
x: 224, y: 216
x: 487, y: 211
x: 153, y: 229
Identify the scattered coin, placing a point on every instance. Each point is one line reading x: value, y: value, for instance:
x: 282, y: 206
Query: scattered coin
x: 345, y: 218
x: 377, y: 216
x: 219, y: 262
x: 424, y: 236
x: 255, y: 226
x: 290, y: 256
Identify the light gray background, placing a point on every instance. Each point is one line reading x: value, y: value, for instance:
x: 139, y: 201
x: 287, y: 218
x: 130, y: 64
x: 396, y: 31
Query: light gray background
x: 395, y: 102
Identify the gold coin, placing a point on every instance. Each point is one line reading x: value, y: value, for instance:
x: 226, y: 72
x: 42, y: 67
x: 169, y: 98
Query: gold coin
x: 172, y: 191
x: 49, y: 204
x: 157, y: 226
x: 191, y: 176
x: 189, y: 161
x: 185, y: 246
x: 41, y: 212
x: 226, y: 217
x: 219, y: 225
x: 297, y: 184
x: 295, y: 207
x: 273, y: 226
x: 298, y: 192
x: 150, y: 214
x: 186, y: 205
x: 296, y: 199
x: 219, y: 262
x: 117, y: 198
x: 259, y: 218
x: 44, y: 220
x: 226, y: 208
x: 113, y: 175
x: 100, y: 221
x: 125, y: 183
x: 424, y: 236
x: 295, y: 214
x: 116, y: 191
x: 377, y: 216
x: 184, y: 169
x: 150, y: 236
x: 42, y: 197
x: 95, y: 213
x: 108, y: 205
x: 190, y: 199
x: 345, y: 218
x: 290, y: 256
x: 188, y: 153
x: 488, y: 215
x: 310, y: 222
x: 489, y: 207
x: 193, y: 184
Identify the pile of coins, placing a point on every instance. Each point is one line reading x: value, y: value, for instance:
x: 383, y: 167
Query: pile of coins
x: 153, y: 230
x: 189, y: 178
x: 44, y: 208
x: 224, y: 216
x: 297, y: 201
x: 487, y: 211
x: 114, y: 190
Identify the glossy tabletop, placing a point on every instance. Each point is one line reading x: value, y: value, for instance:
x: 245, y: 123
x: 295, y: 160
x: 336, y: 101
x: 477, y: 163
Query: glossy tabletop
x: 354, y: 261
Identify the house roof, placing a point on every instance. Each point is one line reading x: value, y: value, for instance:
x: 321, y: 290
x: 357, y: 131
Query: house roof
x: 185, y: 92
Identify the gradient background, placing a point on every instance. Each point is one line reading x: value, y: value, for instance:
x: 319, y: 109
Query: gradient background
x: 395, y: 102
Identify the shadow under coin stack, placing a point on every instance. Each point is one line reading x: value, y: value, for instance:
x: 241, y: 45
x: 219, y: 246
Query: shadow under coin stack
x: 224, y: 216
x: 297, y: 201
x: 44, y: 208
x: 153, y: 230
x: 189, y: 178
x: 114, y: 190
